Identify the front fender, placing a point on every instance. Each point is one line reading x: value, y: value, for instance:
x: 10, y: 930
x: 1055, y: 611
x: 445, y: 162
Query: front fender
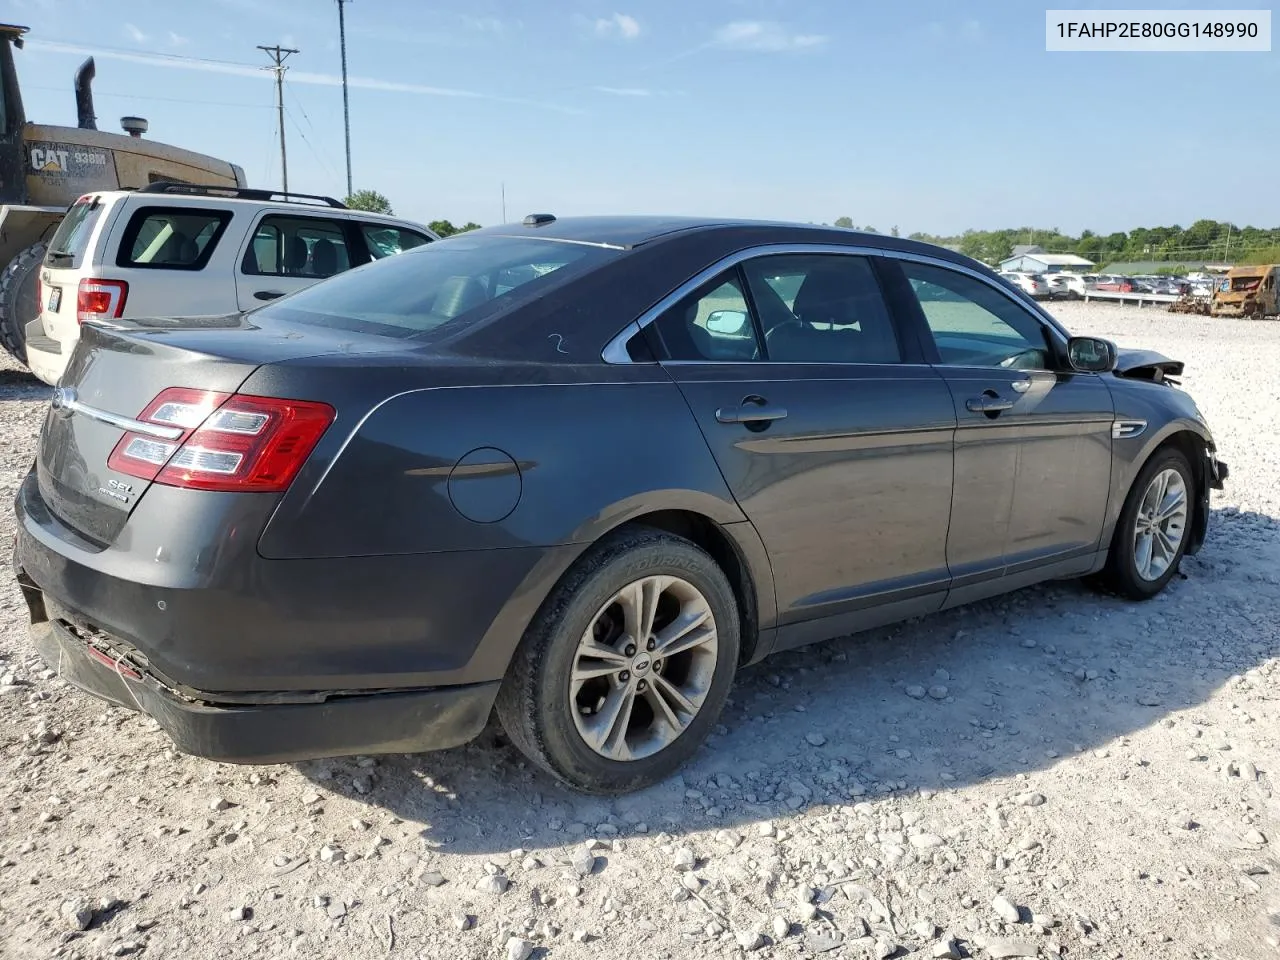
x: 1168, y: 414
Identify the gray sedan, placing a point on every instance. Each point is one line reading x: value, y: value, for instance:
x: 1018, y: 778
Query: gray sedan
x: 580, y: 471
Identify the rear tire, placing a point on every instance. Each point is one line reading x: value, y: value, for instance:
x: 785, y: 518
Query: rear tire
x: 621, y: 721
x: 1145, y: 550
x: 18, y: 305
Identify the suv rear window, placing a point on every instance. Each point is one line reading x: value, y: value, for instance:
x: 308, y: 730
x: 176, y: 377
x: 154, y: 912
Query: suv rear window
x: 171, y: 238
x: 71, y: 239
x: 442, y: 282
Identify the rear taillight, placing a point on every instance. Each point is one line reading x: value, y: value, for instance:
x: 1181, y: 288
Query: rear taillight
x: 100, y: 299
x: 225, y: 442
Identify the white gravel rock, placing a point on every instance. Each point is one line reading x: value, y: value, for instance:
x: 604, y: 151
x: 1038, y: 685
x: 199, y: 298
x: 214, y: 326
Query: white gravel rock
x: 1006, y: 910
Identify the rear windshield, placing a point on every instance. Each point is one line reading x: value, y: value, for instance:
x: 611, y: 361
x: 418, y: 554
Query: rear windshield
x: 71, y: 239
x: 448, y: 281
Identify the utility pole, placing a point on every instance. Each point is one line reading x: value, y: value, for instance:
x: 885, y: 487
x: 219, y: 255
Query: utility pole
x: 279, y: 55
x: 346, y: 107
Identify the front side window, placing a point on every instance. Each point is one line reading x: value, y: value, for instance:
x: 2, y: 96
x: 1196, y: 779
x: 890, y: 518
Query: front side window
x: 973, y: 324
x: 306, y: 247
x: 821, y: 308
x: 175, y: 238
x: 382, y: 241
x: 712, y: 323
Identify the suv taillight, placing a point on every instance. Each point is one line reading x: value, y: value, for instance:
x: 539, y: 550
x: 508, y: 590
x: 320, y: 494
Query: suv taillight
x: 229, y: 442
x: 100, y: 298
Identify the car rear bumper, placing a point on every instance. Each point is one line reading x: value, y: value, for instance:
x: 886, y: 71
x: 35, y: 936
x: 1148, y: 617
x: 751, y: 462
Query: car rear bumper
x: 46, y: 357
x: 185, y: 596
x: 384, y: 722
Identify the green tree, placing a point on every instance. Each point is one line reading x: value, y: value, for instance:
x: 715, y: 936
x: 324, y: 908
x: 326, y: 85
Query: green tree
x: 844, y: 221
x: 445, y: 228
x: 370, y: 201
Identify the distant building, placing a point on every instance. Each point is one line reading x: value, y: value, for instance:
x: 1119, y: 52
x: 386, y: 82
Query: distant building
x: 1030, y: 259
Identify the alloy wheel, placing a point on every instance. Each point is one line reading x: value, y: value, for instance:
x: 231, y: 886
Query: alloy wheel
x: 643, y: 668
x: 1160, y: 525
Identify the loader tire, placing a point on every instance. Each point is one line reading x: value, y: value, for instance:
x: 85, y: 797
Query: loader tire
x: 18, y: 305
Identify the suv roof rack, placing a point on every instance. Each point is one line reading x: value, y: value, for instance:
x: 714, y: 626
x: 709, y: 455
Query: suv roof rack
x: 239, y: 193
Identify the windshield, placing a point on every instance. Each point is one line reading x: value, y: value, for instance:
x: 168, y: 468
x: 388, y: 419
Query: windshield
x: 447, y: 281
x: 71, y: 240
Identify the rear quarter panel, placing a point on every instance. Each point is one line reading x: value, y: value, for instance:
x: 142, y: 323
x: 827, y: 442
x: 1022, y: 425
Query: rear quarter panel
x: 466, y: 467
x: 160, y: 292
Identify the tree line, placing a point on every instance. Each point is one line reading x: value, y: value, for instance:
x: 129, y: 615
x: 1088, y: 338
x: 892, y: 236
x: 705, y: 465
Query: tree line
x: 1203, y: 241
x: 371, y: 201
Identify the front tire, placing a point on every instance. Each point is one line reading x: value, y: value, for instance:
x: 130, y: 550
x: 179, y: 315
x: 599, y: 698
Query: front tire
x: 18, y: 302
x: 1153, y: 529
x: 627, y: 665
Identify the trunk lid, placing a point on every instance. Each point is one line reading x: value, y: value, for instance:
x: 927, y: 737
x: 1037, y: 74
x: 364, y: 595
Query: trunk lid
x: 117, y: 369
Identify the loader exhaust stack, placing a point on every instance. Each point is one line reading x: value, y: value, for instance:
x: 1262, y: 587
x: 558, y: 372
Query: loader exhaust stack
x: 85, y: 117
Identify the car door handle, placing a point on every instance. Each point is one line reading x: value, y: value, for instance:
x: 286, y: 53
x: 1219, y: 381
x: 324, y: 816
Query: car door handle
x: 987, y: 404
x: 268, y: 294
x: 751, y: 410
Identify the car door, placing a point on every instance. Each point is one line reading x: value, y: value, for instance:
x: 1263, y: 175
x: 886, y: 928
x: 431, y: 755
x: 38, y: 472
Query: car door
x: 284, y: 252
x: 1033, y: 437
x: 835, y: 440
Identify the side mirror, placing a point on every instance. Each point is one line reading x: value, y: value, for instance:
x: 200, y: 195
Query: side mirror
x: 1091, y: 354
x: 727, y: 322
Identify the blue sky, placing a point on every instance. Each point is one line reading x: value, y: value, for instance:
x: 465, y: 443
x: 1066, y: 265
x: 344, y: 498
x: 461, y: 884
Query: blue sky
x: 925, y: 114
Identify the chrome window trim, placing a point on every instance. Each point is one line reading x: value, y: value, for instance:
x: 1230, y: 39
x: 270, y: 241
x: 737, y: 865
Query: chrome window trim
x: 599, y: 244
x: 615, y: 351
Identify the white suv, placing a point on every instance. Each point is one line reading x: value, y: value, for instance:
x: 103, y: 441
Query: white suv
x: 173, y: 250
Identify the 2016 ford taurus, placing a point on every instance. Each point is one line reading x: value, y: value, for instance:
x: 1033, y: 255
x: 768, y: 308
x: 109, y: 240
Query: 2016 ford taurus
x: 579, y: 470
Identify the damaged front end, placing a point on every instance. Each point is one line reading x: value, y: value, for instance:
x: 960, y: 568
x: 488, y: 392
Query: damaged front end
x: 1148, y: 365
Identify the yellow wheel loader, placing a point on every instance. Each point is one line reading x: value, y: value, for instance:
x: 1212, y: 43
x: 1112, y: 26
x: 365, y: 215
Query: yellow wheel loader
x: 44, y: 169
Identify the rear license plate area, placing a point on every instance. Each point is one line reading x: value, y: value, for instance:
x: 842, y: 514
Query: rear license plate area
x: 55, y: 299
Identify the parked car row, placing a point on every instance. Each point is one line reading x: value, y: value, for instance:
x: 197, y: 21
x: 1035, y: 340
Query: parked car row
x: 1074, y: 286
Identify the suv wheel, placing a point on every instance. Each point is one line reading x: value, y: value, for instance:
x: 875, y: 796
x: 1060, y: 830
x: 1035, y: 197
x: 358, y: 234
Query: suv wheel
x: 627, y: 666
x: 18, y: 305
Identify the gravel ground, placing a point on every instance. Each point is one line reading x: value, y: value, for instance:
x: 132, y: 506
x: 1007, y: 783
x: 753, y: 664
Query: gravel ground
x: 1049, y: 773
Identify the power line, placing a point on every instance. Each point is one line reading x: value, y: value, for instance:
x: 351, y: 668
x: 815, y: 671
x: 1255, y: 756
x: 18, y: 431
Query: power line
x: 140, y: 96
x: 38, y: 42
x: 279, y: 55
x: 324, y: 161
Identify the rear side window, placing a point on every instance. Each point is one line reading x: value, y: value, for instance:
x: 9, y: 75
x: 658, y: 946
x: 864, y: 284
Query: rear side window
x: 171, y: 238
x: 387, y: 241
x: 71, y: 239
x: 821, y: 308
x: 297, y: 247
x: 441, y: 282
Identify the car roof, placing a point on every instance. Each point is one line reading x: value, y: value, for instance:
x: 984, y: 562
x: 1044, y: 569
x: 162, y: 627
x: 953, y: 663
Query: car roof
x: 629, y: 232
x: 198, y: 200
